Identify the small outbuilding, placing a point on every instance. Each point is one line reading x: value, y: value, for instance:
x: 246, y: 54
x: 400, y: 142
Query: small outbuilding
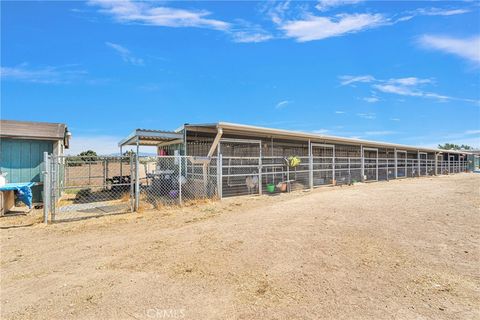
x: 22, y: 145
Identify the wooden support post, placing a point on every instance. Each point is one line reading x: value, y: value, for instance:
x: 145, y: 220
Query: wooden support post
x: 214, y: 145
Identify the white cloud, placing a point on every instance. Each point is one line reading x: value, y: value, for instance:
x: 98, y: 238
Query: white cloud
x: 125, y: 54
x: 276, y: 10
x: 317, y: 28
x: 321, y: 131
x: 371, y: 99
x: 146, y: 13
x: 44, y: 75
x: 397, y: 89
x: 340, y: 112
x: 251, y: 36
x: 244, y: 31
x: 325, y: 5
x: 380, y: 133
x: 468, y: 132
x: 368, y: 115
x: 409, y: 91
x: 410, y: 81
x: 407, y: 86
x: 431, y: 12
x: 394, y: 119
x: 346, y: 80
x: 439, y: 11
x: 245, y: 37
x: 282, y: 104
x: 466, y: 48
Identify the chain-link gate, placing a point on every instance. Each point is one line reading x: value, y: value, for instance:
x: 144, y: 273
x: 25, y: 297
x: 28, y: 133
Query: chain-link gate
x: 82, y: 187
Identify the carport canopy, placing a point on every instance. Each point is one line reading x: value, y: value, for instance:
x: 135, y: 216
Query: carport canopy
x: 144, y: 137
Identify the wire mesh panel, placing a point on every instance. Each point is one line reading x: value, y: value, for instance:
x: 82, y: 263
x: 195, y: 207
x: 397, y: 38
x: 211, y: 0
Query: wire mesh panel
x: 348, y: 170
x: 174, y: 180
x: 412, y: 168
x: 323, y: 158
x: 240, y: 176
x: 383, y: 169
x: 384, y: 164
x: 422, y: 164
x: 371, y: 162
x: 443, y: 167
x: 90, y: 186
x: 401, y: 164
x: 280, y: 174
x: 430, y: 167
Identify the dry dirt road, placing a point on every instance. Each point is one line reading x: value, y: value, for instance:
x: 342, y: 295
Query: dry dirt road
x: 406, y: 249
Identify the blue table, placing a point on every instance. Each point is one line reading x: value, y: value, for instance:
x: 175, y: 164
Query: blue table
x: 24, y: 191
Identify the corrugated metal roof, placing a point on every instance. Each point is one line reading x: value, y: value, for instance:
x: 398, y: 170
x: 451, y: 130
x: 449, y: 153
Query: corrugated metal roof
x: 149, y: 137
x: 312, y: 136
x: 33, y: 130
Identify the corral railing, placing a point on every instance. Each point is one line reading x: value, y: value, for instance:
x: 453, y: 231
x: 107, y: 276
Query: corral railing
x: 90, y: 186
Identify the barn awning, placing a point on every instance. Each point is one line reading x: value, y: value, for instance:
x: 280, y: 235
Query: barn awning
x: 144, y: 137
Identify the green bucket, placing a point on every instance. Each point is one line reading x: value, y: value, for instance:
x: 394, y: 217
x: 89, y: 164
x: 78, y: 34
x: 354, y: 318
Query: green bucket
x: 270, y: 187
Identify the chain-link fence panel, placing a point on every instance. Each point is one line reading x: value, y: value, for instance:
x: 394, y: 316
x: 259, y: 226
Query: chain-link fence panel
x: 175, y: 180
x: 80, y: 187
x: 90, y: 186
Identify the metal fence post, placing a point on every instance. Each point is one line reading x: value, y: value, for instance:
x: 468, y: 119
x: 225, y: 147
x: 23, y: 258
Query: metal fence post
x: 260, y: 175
x: 334, y: 167
x: 52, y: 185
x: 46, y: 187
x: 132, y: 185
x: 137, y: 181
x: 396, y: 163
x: 180, y: 158
x: 418, y: 163
x: 310, y: 164
x: 219, y: 175
x: 362, y: 169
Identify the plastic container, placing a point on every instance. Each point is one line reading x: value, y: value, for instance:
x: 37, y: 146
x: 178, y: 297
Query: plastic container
x: 3, y: 180
x: 271, y: 187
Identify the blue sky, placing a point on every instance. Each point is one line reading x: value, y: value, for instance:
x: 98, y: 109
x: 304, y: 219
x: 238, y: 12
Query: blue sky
x: 405, y: 72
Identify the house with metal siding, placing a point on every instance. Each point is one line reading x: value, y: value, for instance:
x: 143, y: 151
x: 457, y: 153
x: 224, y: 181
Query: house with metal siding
x: 22, y: 145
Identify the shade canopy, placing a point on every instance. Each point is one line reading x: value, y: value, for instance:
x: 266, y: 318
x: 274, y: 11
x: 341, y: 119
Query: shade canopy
x: 146, y: 137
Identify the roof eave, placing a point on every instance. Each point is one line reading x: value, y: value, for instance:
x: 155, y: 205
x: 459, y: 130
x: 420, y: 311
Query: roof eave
x: 299, y: 134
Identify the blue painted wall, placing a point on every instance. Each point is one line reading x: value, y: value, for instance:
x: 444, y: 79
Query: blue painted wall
x: 23, y: 161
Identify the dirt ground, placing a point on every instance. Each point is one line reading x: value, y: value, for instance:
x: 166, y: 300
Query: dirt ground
x: 405, y: 249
